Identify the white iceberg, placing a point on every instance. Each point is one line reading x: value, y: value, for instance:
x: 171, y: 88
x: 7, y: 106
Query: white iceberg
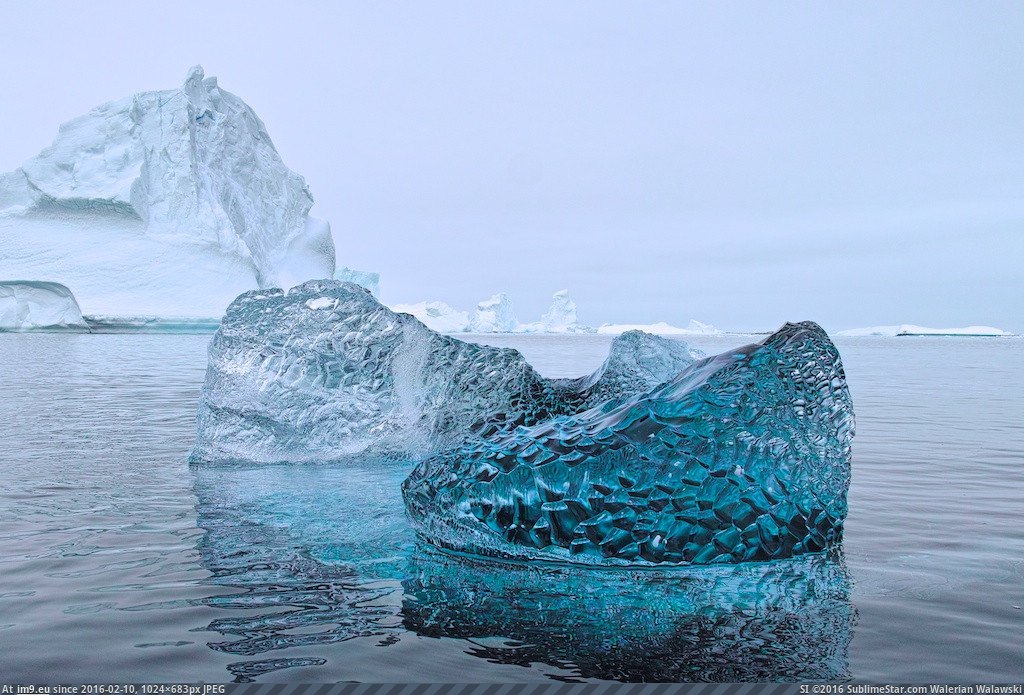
x: 908, y: 329
x: 166, y: 203
x: 494, y: 315
x: 660, y: 328
x: 437, y: 316
x: 27, y: 305
x: 560, y: 318
x: 363, y: 278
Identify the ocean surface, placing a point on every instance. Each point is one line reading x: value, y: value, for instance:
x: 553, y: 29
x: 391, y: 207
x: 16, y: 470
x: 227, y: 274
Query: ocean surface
x: 120, y: 562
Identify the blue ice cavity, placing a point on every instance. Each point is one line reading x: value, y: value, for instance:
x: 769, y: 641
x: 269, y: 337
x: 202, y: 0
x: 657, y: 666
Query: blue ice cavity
x: 744, y: 456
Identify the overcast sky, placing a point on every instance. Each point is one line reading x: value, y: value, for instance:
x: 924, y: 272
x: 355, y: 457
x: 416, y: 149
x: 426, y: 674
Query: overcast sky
x: 741, y: 164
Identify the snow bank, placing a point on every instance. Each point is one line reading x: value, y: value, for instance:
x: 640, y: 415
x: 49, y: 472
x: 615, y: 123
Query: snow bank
x: 27, y: 305
x: 166, y: 203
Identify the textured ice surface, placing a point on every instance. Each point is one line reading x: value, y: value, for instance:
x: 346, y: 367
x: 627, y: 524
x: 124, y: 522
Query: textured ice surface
x: 28, y: 305
x: 742, y: 456
x: 313, y: 555
x: 165, y: 203
x: 325, y: 372
x: 494, y: 315
x: 363, y: 278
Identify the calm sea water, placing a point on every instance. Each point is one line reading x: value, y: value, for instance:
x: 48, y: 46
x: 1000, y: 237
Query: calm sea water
x: 119, y: 561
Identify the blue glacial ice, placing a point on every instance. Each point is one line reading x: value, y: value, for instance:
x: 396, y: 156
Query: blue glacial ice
x: 315, y: 555
x: 744, y: 456
x: 659, y: 457
x: 325, y: 372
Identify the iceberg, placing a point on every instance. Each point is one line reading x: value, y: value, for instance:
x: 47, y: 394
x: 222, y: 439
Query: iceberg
x: 910, y: 329
x: 560, y: 317
x: 744, y: 456
x: 363, y: 278
x: 437, y: 316
x: 28, y: 305
x: 166, y: 203
x: 660, y: 328
x: 324, y: 372
x: 494, y: 315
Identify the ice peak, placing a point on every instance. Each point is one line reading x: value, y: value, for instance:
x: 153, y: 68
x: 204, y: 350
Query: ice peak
x: 196, y: 167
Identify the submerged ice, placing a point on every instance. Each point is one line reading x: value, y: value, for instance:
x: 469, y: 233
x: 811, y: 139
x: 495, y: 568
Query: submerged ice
x: 323, y: 547
x: 326, y: 372
x: 742, y: 456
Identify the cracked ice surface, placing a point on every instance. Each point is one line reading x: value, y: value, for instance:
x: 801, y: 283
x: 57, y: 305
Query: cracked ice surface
x: 325, y: 372
x: 741, y: 456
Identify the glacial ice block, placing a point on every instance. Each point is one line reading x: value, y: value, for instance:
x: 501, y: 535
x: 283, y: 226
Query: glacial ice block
x: 742, y: 456
x: 166, y: 203
x: 325, y: 372
x: 560, y: 317
x: 494, y: 315
x: 28, y: 305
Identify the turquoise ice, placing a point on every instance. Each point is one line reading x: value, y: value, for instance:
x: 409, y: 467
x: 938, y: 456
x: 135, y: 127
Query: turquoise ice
x: 744, y: 456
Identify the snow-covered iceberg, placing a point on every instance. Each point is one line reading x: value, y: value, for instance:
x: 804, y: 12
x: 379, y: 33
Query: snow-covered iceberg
x: 363, y: 278
x: 660, y: 328
x: 325, y: 372
x: 908, y: 329
x: 740, y: 457
x: 166, y: 203
x: 28, y: 305
x: 559, y: 318
x: 437, y: 316
x: 494, y: 315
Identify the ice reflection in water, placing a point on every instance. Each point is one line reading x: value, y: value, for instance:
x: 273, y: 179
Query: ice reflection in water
x: 324, y: 554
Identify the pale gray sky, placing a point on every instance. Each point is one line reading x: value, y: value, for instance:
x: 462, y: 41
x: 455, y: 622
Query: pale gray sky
x: 738, y: 163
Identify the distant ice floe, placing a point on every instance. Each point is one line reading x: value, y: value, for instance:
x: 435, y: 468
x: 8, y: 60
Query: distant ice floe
x: 660, y: 328
x: 437, y: 316
x: 27, y: 305
x: 907, y: 329
x: 496, y: 315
